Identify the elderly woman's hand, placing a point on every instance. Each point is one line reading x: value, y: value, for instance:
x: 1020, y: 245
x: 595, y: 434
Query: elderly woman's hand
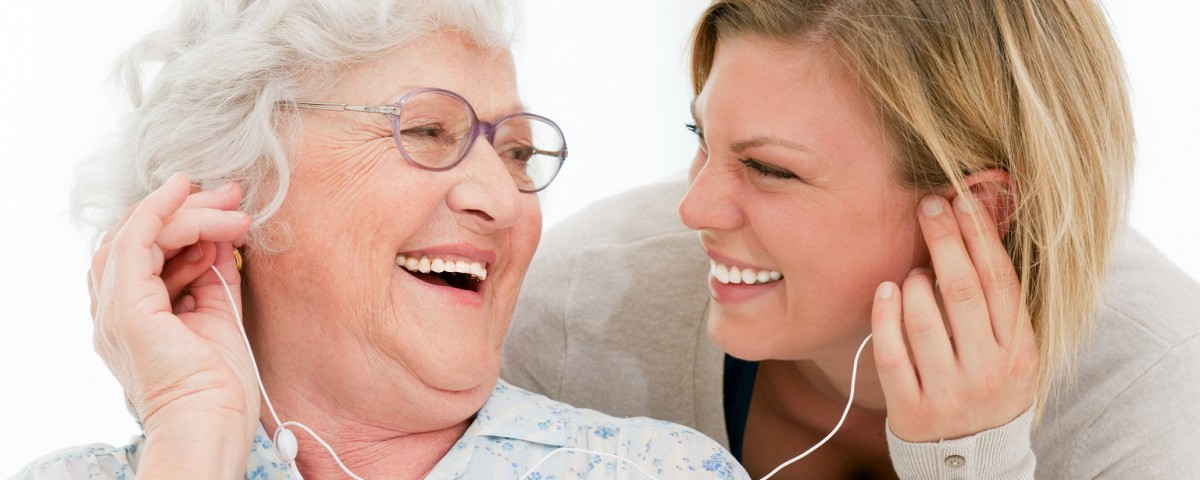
x: 166, y: 329
x: 982, y: 373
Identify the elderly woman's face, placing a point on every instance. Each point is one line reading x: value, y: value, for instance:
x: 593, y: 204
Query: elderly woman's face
x: 356, y: 205
x: 795, y: 176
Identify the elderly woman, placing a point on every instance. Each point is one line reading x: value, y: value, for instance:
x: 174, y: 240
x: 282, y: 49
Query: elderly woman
x: 375, y: 167
x: 850, y: 153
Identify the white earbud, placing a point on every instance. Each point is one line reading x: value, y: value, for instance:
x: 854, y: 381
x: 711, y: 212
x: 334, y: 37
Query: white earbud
x: 285, y: 443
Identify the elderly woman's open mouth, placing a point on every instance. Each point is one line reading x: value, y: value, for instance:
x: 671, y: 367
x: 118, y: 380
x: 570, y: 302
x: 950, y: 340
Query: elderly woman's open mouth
x: 445, y: 270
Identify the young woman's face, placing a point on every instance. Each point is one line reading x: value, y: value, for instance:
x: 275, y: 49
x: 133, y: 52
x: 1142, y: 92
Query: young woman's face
x: 795, y: 182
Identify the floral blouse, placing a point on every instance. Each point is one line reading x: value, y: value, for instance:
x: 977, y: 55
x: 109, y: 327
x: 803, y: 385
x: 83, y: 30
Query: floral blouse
x: 513, y: 432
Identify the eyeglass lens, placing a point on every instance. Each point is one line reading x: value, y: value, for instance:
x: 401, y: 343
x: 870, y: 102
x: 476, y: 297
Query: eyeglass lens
x: 435, y: 130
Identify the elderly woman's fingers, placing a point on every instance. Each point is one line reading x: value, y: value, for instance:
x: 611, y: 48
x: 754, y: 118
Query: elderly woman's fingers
x: 997, y: 277
x: 137, y: 239
x: 186, y: 227
x: 896, y: 374
x: 224, y: 198
x: 958, y: 283
x: 209, y: 292
x: 227, y: 197
x: 932, y: 352
x: 130, y: 292
x: 186, y: 267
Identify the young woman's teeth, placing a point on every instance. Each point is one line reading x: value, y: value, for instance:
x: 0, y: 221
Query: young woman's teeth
x: 438, y: 265
x: 748, y: 276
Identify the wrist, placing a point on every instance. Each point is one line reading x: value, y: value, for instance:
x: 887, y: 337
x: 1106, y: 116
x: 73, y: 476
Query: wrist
x: 195, y: 445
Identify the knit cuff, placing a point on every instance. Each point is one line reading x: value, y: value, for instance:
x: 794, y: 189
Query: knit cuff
x: 1003, y: 452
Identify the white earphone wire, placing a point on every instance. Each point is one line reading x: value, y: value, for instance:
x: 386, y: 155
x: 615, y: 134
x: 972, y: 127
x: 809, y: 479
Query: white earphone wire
x: 296, y: 472
x: 849, y: 402
x: 282, y: 426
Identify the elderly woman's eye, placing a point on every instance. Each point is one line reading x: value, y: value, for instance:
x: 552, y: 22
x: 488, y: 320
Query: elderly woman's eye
x: 520, y: 152
x: 424, y: 131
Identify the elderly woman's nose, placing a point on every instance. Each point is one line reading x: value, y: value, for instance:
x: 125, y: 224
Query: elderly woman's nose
x: 710, y: 202
x: 486, y: 194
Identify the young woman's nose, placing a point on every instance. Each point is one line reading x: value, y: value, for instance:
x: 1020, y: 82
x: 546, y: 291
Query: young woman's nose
x: 711, y: 199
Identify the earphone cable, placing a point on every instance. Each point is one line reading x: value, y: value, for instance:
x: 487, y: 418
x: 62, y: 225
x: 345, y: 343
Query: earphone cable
x: 849, y: 402
x: 281, y: 426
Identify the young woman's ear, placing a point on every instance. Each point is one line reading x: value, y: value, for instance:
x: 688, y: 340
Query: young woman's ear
x: 995, y: 192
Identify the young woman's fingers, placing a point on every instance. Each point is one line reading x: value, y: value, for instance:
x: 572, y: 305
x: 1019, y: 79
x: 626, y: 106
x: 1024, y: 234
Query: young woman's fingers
x: 966, y: 307
x: 896, y: 373
x: 997, y: 277
x: 932, y: 352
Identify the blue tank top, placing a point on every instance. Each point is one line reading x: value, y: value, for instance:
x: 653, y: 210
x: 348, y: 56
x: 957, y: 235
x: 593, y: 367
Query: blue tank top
x: 738, y: 388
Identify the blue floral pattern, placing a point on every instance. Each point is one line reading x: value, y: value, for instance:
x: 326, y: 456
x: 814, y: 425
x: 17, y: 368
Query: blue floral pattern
x: 515, y: 431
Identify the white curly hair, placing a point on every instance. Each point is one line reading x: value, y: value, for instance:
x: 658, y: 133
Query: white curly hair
x: 205, y: 89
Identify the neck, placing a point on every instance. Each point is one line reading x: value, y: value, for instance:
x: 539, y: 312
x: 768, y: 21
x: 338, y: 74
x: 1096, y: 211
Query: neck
x: 825, y: 381
x: 371, y: 443
x: 383, y: 425
x: 369, y: 451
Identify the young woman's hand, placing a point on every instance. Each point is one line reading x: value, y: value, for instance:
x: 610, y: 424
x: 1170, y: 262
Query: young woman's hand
x: 165, y: 327
x: 980, y: 374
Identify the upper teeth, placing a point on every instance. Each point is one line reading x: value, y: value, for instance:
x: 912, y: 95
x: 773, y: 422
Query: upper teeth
x: 748, y: 276
x: 440, y: 265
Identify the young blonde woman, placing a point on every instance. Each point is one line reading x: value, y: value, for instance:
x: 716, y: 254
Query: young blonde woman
x: 947, y: 175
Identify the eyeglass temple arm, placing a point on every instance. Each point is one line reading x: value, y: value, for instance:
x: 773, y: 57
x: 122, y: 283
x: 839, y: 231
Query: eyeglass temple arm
x: 553, y: 153
x: 341, y: 107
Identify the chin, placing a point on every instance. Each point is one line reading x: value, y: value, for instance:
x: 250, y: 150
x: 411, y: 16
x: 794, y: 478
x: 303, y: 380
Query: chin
x: 460, y: 370
x: 738, y: 338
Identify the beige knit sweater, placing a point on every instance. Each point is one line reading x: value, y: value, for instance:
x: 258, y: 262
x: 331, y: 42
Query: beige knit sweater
x: 611, y: 317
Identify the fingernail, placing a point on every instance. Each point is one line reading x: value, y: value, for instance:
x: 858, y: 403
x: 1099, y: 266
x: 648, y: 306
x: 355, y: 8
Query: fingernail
x: 193, y: 254
x: 228, y: 187
x: 236, y: 214
x: 964, y: 204
x: 918, y: 271
x: 886, y: 290
x: 931, y: 206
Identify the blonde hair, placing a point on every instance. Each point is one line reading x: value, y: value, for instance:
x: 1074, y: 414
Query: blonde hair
x: 1034, y: 88
x: 204, y: 92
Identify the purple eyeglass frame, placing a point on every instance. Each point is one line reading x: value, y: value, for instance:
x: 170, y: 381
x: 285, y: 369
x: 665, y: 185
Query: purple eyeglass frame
x: 487, y: 129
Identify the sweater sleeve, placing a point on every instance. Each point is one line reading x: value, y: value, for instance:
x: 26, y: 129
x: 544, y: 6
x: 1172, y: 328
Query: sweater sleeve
x: 1001, y: 453
x: 1149, y: 430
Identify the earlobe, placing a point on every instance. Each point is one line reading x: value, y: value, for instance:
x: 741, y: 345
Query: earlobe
x: 995, y: 191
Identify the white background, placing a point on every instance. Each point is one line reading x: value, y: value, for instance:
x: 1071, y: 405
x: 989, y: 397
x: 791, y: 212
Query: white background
x: 611, y: 73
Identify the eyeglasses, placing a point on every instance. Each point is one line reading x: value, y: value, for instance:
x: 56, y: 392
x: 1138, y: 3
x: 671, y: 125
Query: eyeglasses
x: 434, y: 129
